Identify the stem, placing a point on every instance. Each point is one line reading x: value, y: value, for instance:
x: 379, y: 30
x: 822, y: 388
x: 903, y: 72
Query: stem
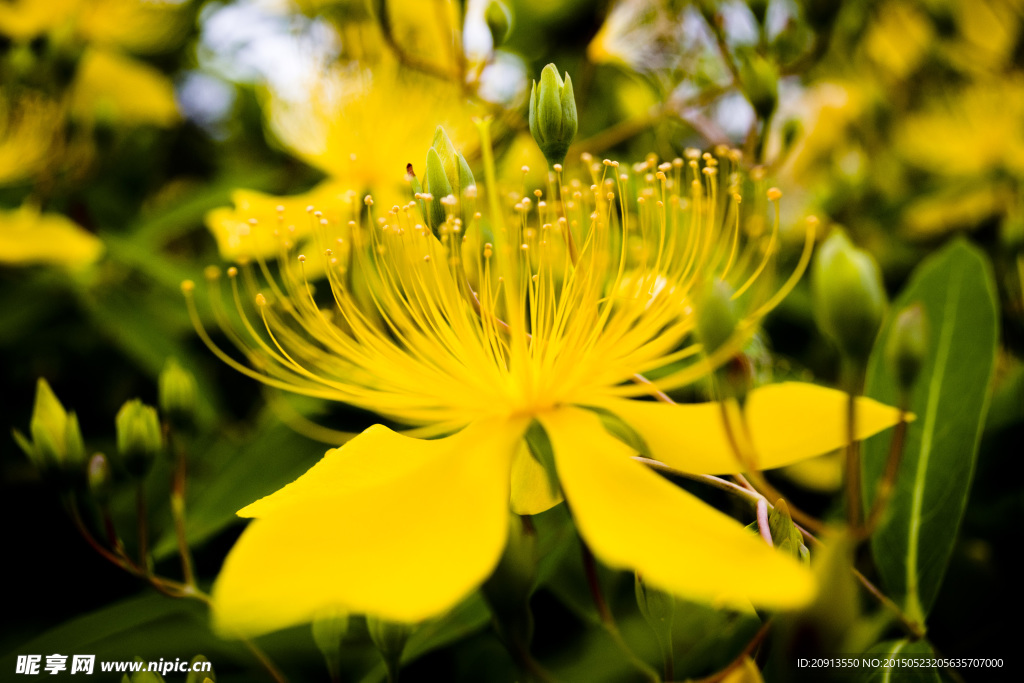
x: 746, y: 652
x: 607, y: 620
x: 762, y: 522
x: 178, y: 512
x: 143, y: 527
x: 761, y: 484
x: 886, y: 486
x: 853, y: 483
x: 912, y: 627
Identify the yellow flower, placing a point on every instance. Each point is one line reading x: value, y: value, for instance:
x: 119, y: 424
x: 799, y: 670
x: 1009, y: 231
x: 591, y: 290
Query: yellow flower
x: 363, y: 125
x: 550, y: 313
x: 28, y: 128
x: 29, y: 237
x: 122, y: 89
x: 135, y: 25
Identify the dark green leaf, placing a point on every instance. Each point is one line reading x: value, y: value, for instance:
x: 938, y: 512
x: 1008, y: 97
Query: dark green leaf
x: 914, y: 541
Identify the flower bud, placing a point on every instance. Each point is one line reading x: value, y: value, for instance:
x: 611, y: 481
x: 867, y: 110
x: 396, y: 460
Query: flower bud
x: 390, y: 639
x: 510, y: 586
x: 553, y: 120
x: 907, y: 347
x: 437, y: 184
x: 100, y: 479
x: 138, y: 436
x: 56, y: 437
x: 177, y: 390
x: 195, y: 676
x: 715, y: 315
x: 658, y: 610
x: 499, y: 21
x: 849, y: 299
x: 329, y: 628
x: 456, y: 171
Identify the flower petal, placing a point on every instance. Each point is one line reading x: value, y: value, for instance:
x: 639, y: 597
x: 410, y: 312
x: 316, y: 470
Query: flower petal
x: 787, y: 422
x: 634, y: 519
x: 386, y: 525
x: 531, y: 492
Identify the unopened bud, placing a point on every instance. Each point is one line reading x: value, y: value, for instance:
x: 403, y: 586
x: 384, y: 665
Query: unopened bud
x: 329, y: 629
x: 553, y: 121
x: 138, y: 436
x: 390, y: 639
x: 499, y: 21
x: 198, y: 671
x: 658, y: 610
x: 437, y: 185
x: 56, y: 438
x: 849, y: 299
x: 177, y: 390
x: 715, y: 316
x: 907, y: 347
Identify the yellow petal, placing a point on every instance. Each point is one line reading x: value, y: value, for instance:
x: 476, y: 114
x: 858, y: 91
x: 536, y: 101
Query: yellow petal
x: 386, y: 525
x: 634, y: 519
x: 29, y: 237
x: 786, y: 422
x: 124, y: 89
x: 531, y: 492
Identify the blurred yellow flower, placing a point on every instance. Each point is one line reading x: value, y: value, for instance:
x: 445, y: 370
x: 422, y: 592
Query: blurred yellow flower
x: 363, y: 125
x: 112, y: 87
x: 29, y: 237
x: 29, y: 129
x: 141, y: 26
x: 968, y: 131
x: 544, y: 314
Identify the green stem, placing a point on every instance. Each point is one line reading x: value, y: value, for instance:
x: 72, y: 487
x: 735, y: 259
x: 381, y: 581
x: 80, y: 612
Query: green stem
x: 178, y: 512
x: 143, y: 528
x: 605, y: 613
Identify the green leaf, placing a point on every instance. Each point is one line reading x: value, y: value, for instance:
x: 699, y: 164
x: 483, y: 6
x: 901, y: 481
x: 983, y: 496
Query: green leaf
x: 915, y: 538
x: 901, y: 648
x: 149, y: 627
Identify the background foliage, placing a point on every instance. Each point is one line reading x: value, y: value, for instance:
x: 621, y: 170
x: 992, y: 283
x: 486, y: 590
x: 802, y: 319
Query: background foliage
x: 130, y: 121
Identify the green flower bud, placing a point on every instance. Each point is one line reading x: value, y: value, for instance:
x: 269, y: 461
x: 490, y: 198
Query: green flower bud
x: 100, y: 478
x: 329, y: 629
x: 760, y: 80
x: 499, y: 21
x: 437, y: 184
x: 56, y: 439
x: 553, y: 120
x: 138, y: 436
x: 715, y: 316
x: 907, y: 347
x: 177, y: 390
x: 199, y: 676
x: 849, y: 299
x: 458, y: 174
x: 510, y: 586
x: 390, y: 639
x: 658, y: 609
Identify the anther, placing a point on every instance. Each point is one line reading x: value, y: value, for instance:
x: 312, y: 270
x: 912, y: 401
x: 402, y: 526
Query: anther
x: 232, y: 271
x: 302, y: 258
x: 211, y: 272
x: 558, y: 168
x: 261, y: 300
x: 188, y: 286
x: 774, y: 193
